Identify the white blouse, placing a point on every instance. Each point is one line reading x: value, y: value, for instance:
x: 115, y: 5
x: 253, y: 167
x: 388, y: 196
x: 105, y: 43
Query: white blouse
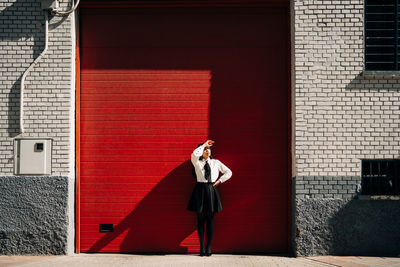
x: 215, y: 165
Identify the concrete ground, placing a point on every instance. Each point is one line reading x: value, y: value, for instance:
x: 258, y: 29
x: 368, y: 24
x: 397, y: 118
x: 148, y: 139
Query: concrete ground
x: 222, y: 260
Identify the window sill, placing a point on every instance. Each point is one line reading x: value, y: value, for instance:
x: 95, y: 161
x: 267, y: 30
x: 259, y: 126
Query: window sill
x: 381, y: 73
x: 379, y: 197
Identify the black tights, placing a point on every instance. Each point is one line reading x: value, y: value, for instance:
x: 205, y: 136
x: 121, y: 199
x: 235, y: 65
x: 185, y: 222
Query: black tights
x: 207, y: 218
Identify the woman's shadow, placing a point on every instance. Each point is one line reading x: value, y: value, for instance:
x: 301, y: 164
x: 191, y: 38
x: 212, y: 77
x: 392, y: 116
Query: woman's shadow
x: 159, y: 223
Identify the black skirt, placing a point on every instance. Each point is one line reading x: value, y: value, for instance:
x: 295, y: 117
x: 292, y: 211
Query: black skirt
x: 205, y: 198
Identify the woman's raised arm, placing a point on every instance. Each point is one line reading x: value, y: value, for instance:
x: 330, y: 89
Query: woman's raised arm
x: 198, y: 152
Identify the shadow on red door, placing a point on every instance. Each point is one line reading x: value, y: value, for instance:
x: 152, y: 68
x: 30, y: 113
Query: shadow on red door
x: 173, y: 81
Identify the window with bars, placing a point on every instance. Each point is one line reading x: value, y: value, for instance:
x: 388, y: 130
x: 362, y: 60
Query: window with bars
x: 382, y: 35
x: 380, y: 177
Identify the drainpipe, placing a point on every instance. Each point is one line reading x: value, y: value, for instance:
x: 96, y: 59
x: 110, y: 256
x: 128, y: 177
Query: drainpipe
x: 47, y: 5
x: 56, y: 12
x: 21, y: 104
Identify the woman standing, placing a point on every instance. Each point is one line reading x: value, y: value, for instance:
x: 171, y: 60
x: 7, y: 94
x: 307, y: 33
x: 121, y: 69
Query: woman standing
x: 205, y: 199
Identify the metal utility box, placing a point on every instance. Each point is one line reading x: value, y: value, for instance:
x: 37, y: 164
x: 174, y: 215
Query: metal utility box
x: 32, y: 156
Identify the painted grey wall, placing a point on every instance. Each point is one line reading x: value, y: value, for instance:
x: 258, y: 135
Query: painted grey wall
x: 33, y: 215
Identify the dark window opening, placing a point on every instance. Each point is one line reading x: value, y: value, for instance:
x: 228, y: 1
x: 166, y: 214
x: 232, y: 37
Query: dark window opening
x: 380, y: 177
x: 382, y: 35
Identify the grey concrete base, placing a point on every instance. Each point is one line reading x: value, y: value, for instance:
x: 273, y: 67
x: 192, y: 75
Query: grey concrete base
x: 33, y: 215
x: 347, y: 227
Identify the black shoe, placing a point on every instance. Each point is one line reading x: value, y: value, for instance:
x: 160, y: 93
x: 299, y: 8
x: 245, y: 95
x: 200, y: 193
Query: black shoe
x: 208, y: 253
x: 202, y: 252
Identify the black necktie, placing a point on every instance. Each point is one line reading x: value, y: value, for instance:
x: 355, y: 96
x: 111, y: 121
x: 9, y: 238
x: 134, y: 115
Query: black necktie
x: 207, y: 172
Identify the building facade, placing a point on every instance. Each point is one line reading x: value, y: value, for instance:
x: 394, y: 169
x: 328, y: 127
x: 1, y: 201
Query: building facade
x: 319, y: 114
x: 37, y: 211
x: 344, y: 114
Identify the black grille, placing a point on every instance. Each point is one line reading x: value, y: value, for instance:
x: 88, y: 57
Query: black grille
x: 380, y: 177
x: 382, y: 35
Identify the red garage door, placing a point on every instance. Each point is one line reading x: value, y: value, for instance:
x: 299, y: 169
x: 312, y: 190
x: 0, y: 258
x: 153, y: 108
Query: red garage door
x: 155, y: 82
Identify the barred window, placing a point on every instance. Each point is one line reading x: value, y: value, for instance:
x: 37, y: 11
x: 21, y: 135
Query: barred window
x: 382, y: 35
x: 380, y: 177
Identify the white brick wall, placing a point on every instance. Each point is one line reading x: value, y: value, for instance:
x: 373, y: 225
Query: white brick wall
x: 340, y: 116
x: 48, y: 85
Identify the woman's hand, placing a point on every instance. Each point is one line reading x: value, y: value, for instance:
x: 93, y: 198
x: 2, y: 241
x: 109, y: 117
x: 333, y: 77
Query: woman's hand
x: 217, y: 183
x: 208, y: 143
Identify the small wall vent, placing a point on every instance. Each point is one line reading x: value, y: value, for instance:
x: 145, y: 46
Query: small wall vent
x: 106, y: 227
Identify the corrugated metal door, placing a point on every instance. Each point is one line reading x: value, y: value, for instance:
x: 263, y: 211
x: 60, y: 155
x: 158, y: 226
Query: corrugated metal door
x: 156, y: 82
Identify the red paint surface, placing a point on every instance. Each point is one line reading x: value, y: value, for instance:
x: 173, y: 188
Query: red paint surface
x: 77, y: 147
x: 154, y: 84
x: 180, y: 3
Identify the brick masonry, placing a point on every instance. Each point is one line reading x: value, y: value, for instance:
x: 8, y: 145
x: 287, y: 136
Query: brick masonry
x: 341, y: 115
x: 342, y: 187
x: 48, y: 85
x: 36, y: 212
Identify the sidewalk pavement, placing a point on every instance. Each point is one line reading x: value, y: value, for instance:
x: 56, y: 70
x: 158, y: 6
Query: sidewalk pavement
x: 192, y: 260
